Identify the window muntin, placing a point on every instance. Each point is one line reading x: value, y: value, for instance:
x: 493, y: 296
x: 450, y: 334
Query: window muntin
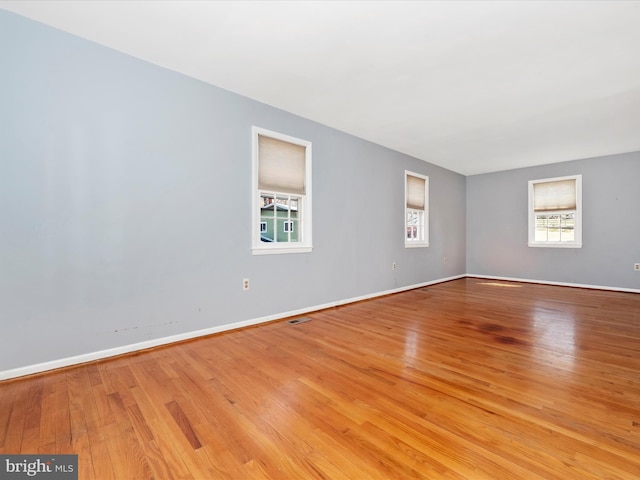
x: 416, y: 210
x: 555, y: 212
x: 282, y: 193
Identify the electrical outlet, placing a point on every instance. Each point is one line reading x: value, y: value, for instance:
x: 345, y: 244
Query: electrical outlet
x: 636, y: 267
x: 245, y: 284
x: 394, y: 265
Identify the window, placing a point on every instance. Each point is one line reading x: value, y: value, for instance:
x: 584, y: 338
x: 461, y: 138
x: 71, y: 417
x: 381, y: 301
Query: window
x: 282, y: 193
x: 416, y: 195
x: 555, y: 212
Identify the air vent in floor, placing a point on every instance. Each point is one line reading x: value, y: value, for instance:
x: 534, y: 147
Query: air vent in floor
x: 299, y: 320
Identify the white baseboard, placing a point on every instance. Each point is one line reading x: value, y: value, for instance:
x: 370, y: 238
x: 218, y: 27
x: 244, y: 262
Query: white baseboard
x: 559, y: 284
x: 112, y: 352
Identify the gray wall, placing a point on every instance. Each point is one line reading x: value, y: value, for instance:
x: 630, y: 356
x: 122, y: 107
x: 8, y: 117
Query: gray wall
x: 497, y: 225
x: 125, y: 205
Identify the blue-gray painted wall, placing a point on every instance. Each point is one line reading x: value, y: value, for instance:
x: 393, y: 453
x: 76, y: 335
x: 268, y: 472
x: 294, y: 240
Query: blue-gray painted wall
x: 497, y: 225
x: 125, y: 205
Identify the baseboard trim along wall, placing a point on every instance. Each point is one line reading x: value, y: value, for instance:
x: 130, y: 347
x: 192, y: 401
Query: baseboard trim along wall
x: 112, y: 352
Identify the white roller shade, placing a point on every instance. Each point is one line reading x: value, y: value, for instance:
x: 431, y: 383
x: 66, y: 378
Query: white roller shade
x: 415, y: 192
x: 550, y: 196
x: 281, y: 166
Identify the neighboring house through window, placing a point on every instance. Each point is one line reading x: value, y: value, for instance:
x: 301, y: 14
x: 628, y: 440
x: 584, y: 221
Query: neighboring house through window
x: 282, y: 193
x: 555, y: 212
x: 416, y: 196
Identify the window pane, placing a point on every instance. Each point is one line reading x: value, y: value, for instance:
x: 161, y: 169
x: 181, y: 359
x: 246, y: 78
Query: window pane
x: 555, y: 228
x: 266, y: 205
x: 266, y: 229
x: 280, y: 213
x: 541, y: 228
x: 415, y: 225
x: 567, y: 232
x: 293, y: 234
x: 411, y: 228
x: 282, y: 206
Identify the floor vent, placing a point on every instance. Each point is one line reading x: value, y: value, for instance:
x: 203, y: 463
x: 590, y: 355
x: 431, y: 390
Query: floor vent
x: 424, y: 290
x: 299, y: 320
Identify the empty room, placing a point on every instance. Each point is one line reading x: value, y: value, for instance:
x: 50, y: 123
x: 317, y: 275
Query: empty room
x: 339, y: 240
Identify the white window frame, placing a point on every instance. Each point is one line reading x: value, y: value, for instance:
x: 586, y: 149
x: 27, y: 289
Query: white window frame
x: 304, y: 219
x: 577, y: 231
x: 287, y: 223
x: 423, y: 233
x: 263, y: 227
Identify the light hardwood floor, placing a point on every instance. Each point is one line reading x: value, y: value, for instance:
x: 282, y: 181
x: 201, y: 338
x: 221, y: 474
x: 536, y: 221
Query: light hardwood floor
x: 469, y: 379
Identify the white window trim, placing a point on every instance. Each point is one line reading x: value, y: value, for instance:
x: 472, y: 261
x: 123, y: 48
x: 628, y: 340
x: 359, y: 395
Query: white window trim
x: 304, y: 223
x: 425, y: 241
x: 577, y: 242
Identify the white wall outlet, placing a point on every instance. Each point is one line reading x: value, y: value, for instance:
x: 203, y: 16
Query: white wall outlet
x: 636, y: 267
x: 394, y: 265
x: 245, y: 284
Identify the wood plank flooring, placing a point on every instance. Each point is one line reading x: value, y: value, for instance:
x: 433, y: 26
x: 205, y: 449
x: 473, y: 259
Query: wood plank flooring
x: 469, y: 379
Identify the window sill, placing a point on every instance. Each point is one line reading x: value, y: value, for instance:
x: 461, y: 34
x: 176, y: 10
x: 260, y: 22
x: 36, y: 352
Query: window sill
x: 415, y: 245
x: 555, y: 245
x: 280, y: 250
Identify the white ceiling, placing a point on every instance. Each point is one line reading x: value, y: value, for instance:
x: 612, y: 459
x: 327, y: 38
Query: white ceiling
x: 472, y: 86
